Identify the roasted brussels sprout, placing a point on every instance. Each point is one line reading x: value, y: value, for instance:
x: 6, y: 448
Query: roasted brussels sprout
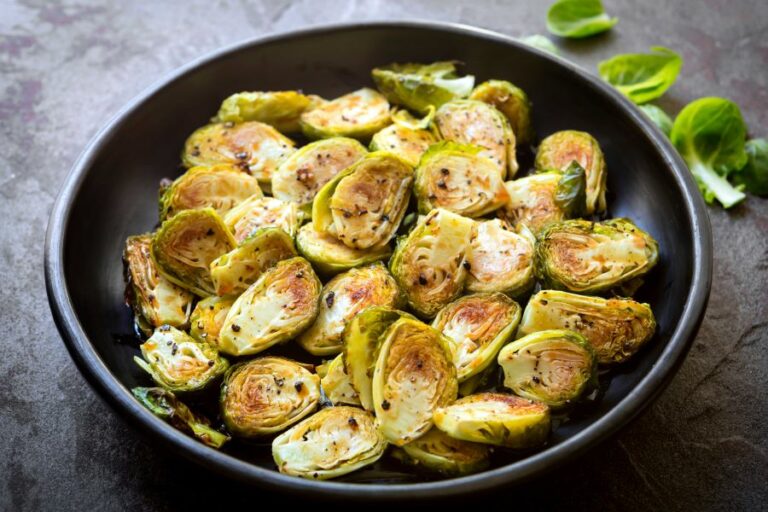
x: 429, y: 264
x: 221, y: 187
x: 262, y: 212
x: 266, y: 395
x: 278, y: 306
x: 342, y: 298
x: 302, y: 175
x: 407, y: 143
x: 480, y: 124
x: 496, y: 418
x: 421, y: 86
x: 500, y: 260
x: 331, y: 443
x: 155, y: 300
x: 510, y: 101
x: 178, y: 362
x: 455, y: 177
x: 232, y: 273
x: 615, y: 328
x: 364, y: 205
x: 561, y: 148
x: 413, y: 376
x: 592, y: 257
x: 358, y: 114
x: 555, y: 367
x: 281, y: 109
x: 336, y: 383
x: 330, y: 256
x: 477, y: 325
x: 252, y: 146
x: 436, y: 451
x: 164, y: 404
x: 208, y: 317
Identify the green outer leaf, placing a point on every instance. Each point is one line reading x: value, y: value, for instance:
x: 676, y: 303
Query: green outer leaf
x: 659, y: 118
x: 571, y: 191
x: 541, y: 42
x: 754, y: 176
x: 578, y: 18
x: 642, y: 77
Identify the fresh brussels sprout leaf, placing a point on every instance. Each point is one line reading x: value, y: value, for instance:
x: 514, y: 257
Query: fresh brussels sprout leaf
x: 532, y: 201
x: 429, y: 263
x: 455, y: 177
x: 186, y: 244
x: 267, y: 395
x: 407, y: 143
x: 277, y: 307
x: 336, y: 384
x: 414, y: 375
x: 421, y: 86
x: 642, y: 77
x: 542, y: 43
x: 281, y: 109
x: 364, y: 205
x: 496, y: 418
x: 232, y: 273
x: 164, y: 404
x: 511, y: 101
x: 437, y: 451
x: 477, y: 325
x: 358, y: 114
x: 178, y: 362
x: 560, y: 149
x: 405, y: 119
x: 658, y: 117
x: 615, y: 328
x: 754, y: 175
x: 303, y: 174
x: 342, y: 298
x: 571, y: 191
x: 330, y: 256
x: 208, y: 317
x: 331, y: 443
x: 555, y: 367
x: 258, y: 212
x: 709, y: 133
x: 480, y: 124
x: 578, y: 18
x: 593, y: 257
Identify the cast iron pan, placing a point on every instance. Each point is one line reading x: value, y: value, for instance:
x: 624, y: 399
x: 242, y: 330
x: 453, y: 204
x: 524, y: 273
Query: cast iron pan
x: 111, y: 193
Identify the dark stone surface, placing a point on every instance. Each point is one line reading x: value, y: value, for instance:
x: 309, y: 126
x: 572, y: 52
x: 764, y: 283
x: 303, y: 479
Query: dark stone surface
x: 65, y: 68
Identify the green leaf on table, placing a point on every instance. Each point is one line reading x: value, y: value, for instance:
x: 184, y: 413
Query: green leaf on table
x: 578, y: 18
x: 754, y: 175
x: 541, y: 42
x: 642, y: 77
x: 659, y: 118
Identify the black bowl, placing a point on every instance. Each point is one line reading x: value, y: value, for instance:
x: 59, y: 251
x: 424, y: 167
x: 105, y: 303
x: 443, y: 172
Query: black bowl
x: 111, y: 194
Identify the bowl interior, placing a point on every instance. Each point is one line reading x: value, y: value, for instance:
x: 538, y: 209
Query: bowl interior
x: 117, y: 196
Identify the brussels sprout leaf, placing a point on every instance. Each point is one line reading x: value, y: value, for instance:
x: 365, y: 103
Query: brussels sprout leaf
x: 754, y: 175
x: 578, y: 18
x: 571, y: 191
x: 542, y: 43
x: 642, y: 77
x: 659, y: 118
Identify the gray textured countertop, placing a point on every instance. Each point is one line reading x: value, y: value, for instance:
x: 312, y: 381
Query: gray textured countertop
x: 66, y: 68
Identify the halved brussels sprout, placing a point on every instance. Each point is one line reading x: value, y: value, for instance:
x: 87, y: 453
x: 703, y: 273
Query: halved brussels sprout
x: 336, y: 383
x: 232, y: 273
x: 262, y: 212
x: 186, y: 244
x: 180, y: 363
x: 331, y: 443
x: 555, y: 367
x: 155, y: 300
x: 278, y: 306
x: 362, y: 339
x: 303, y: 174
x: 364, y: 205
x: 501, y: 260
x: 592, y: 257
x: 480, y: 124
x: 510, y: 101
x: 615, y: 328
x: 455, y: 177
x: 208, y: 317
x: 252, y: 146
x: 330, y: 256
x: 358, y: 114
x: 266, y: 395
x: 437, y: 451
x: 561, y: 148
x: 420, y: 86
x: 342, y: 298
x: 407, y: 143
x: 414, y: 375
x: 429, y: 264
x: 164, y: 404
x: 281, y: 109
x: 477, y: 325
x: 221, y: 187
x: 497, y: 419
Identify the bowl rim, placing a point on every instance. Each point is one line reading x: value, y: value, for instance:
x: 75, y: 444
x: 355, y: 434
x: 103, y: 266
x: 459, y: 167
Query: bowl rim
x: 119, y: 397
